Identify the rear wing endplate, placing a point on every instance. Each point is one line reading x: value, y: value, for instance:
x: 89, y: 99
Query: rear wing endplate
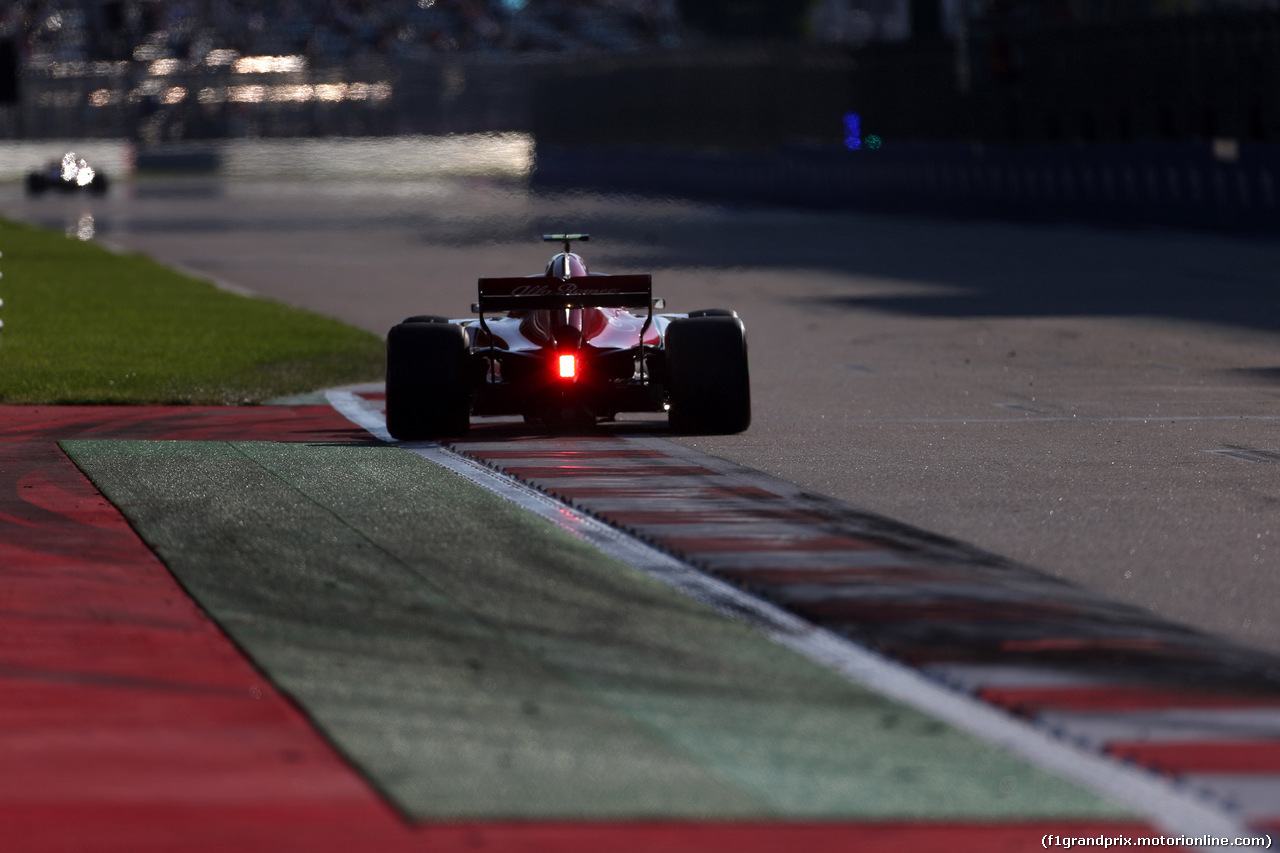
x: 546, y: 292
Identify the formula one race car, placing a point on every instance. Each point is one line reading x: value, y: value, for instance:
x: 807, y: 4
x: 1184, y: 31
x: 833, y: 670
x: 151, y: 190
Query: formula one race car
x: 566, y: 348
x: 70, y: 175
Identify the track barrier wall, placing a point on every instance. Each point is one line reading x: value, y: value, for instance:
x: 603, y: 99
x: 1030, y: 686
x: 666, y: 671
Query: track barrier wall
x: 1225, y: 185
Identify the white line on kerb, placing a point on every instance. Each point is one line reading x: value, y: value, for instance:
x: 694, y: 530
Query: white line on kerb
x: 1171, y: 808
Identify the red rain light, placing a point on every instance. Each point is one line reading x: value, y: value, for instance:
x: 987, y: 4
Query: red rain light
x: 568, y: 366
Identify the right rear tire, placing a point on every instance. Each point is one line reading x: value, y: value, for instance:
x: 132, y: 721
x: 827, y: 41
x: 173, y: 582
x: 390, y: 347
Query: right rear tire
x: 708, y: 385
x: 427, y: 394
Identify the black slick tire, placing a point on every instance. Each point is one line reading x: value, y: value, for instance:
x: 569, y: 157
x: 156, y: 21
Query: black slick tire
x: 708, y: 383
x: 427, y: 394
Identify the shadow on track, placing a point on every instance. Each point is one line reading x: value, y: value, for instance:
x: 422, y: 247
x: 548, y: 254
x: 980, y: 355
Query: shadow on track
x: 986, y: 268
x: 515, y: 429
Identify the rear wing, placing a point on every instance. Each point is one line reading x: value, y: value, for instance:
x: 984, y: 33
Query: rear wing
x: 596, y: 291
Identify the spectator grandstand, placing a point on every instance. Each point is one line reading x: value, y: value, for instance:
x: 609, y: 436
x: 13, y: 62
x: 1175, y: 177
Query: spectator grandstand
x: 195, y: 32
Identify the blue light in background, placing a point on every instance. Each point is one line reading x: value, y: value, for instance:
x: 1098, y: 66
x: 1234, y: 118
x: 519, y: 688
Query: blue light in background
x: 852, y: 131
x: 514, y: 5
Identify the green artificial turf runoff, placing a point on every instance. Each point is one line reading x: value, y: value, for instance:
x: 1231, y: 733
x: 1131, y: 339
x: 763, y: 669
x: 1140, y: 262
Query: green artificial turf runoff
x: 85, y: 325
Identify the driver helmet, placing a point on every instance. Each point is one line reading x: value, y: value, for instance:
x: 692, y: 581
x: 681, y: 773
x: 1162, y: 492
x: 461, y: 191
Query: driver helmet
x: 566, y: 265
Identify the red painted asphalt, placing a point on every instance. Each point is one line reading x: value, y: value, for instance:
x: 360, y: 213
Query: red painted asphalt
x: 129, y: 722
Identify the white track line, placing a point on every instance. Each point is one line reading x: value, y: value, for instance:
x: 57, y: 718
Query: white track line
x: 1169, y: 806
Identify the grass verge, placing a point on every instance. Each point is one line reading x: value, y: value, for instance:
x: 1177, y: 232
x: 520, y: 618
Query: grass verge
x: 85, y: 325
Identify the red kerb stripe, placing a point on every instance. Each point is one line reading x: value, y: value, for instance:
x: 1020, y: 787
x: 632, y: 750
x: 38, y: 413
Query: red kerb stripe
x: 781, y: 575
x: 929, y: 609
x: 640, y: 492
x: 569, y: 471
x: 701, y: 544
x: 716, y: 516
x: 1258, y: 756
x: 1118, y: 697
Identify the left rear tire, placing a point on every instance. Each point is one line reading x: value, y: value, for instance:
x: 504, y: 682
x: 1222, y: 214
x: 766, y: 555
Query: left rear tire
x: 427, y: 394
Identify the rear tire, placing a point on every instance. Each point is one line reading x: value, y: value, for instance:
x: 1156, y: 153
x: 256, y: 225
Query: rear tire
x: 426, y: 318
x: 708, y: 383
x: 427, y: 394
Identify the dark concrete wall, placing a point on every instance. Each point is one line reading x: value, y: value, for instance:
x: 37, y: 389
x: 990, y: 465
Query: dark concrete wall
x: 1175, y: 184
x: 746, y: 99
x: 1175, y: 78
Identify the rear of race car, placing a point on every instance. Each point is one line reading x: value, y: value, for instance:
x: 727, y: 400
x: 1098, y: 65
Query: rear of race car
x: 567, y: 348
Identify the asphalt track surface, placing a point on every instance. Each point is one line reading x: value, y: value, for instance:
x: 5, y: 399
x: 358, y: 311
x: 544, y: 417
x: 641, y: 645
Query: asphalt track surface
x: 777, y: 437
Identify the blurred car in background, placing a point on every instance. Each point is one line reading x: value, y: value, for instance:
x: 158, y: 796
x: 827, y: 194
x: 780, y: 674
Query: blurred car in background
x: 73, y: 174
